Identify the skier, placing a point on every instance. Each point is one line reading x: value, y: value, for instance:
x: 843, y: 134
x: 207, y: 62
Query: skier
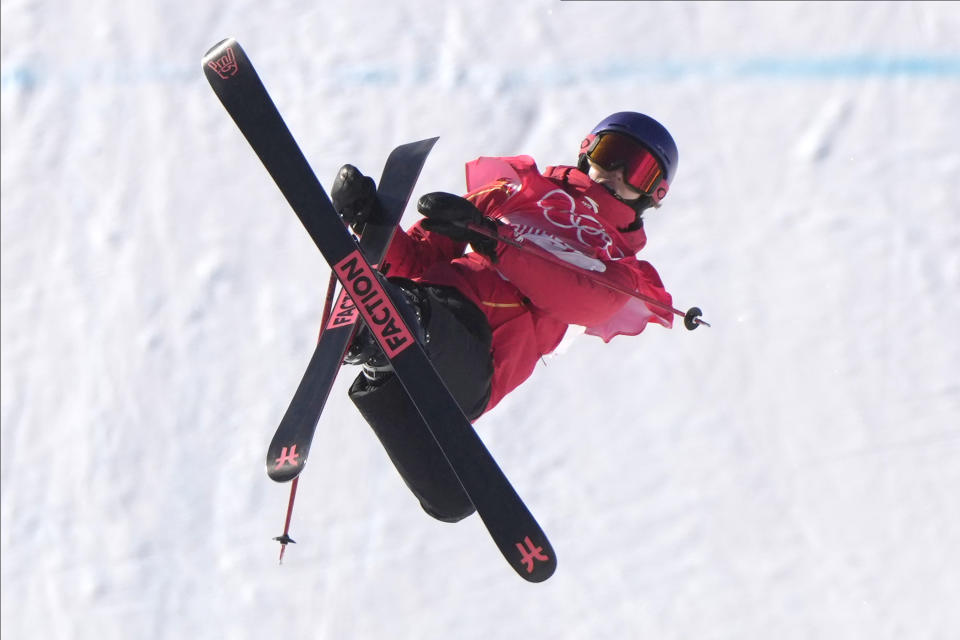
x: 487, y: 316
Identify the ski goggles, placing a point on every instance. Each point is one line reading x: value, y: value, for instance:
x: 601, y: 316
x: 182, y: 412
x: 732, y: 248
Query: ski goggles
x: 641, y: 169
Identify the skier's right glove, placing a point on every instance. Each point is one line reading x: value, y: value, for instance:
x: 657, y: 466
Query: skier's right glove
x: 354, y: 196
x: 450, y: 215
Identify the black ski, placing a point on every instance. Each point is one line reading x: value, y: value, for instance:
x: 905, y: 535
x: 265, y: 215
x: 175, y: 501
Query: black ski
x: 287, y: 453
x: 511, y: 525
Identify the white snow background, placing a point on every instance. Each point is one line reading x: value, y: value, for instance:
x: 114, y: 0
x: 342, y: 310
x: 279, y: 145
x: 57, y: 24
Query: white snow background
x: 791, y: 473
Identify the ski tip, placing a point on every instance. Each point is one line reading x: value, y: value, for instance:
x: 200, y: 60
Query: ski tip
x: 533, y: 558
x: 223, y: 61
x: 217, y: 47
x: 285, y: 474
x: 426, y: 142
x: 541, y: 573
x: 285, y: 463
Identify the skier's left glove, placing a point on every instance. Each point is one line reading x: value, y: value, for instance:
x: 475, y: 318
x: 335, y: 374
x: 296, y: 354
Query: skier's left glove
x: 354, y: 196
x: 450, y: 215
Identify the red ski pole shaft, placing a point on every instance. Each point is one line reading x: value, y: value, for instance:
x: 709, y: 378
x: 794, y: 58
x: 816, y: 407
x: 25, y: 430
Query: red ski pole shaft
x: 691, y: 317
x: 285, y: 539
x: 328, y: 304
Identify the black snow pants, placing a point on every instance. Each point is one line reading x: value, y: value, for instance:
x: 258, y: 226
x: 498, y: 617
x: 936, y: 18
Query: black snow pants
x: 458, y: 343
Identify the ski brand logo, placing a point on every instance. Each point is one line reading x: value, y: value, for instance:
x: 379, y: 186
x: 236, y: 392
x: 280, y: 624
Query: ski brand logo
x: 373, y: 303
x: 530, y: 553
x: 226, y: 65
x: 288, y: 456
x: 344, y: 312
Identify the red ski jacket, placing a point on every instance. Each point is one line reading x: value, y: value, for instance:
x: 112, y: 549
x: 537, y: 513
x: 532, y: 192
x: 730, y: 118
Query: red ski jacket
x: 529, y: 302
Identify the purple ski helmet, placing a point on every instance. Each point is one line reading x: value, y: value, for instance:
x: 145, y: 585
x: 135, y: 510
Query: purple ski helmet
x: 640, y: 145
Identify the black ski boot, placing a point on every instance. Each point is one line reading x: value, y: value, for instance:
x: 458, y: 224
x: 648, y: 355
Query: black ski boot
x: 413, y: 307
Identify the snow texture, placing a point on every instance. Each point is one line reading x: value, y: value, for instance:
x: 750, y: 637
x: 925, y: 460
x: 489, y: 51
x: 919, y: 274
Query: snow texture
x: 791, y: 473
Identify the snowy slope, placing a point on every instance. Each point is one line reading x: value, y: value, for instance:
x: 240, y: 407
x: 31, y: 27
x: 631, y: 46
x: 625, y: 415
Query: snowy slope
x: 790, y: 473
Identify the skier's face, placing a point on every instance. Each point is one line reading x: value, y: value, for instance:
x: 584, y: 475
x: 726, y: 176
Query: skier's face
x: 613, y: 181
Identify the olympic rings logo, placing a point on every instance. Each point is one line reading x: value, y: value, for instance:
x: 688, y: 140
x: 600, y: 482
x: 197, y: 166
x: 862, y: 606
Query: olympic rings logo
x: 560, y: 209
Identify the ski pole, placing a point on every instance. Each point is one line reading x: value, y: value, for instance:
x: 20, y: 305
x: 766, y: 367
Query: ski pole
x: 691, y: 318
x: 328, y: 304
x: 285, y: 539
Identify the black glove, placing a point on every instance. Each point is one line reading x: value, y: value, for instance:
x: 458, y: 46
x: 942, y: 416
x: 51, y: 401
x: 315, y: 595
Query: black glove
x: 450, y: 214
x: 354, y: 196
